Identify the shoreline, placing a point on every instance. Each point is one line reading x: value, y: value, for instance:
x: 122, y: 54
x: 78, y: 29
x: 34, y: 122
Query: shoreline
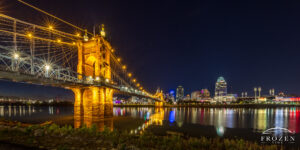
x: 52, y: 136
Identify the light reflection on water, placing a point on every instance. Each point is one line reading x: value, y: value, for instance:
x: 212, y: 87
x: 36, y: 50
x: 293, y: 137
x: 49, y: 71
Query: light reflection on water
x: 188, y: 120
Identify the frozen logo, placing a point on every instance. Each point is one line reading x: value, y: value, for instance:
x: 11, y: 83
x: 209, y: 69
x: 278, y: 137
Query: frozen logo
x: 278, y: 135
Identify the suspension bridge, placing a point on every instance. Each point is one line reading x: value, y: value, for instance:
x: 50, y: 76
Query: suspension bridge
x: 84, y: 63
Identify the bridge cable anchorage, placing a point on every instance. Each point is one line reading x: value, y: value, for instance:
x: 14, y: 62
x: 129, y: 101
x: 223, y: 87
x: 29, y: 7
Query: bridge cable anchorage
x: 42, y: 11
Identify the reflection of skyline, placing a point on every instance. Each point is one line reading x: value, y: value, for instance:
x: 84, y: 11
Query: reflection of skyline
x: 221, y: 118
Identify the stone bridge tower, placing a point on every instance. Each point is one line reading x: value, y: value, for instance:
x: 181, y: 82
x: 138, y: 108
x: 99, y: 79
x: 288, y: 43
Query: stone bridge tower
x: 94, y: 63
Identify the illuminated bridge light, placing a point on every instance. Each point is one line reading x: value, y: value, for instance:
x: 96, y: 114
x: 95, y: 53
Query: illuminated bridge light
x: 119, y: 59
x: 29, y: 35
x: 106, y: 80
x: 47, y: 67
x: 124, y: 67
x: 129, y: 74
x: 50, y: 27
x: 16, y: 56
x: 134, y: 80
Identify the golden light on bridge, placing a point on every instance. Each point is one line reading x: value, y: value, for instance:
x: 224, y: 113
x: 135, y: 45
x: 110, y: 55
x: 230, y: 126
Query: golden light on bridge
x: 112, y: 50
x: 78, y: 34
x: 118, y: 59
x: 59, y: 40
x: 124, y: 67
x: 134, y: 80
x: 138, y: 85
x: 51, y: 27
x: 29, y: 35
x: 73, y: 43
x: 129, y: 74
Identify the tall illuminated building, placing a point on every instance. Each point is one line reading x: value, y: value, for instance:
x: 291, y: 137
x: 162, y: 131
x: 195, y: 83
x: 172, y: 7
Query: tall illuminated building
x: 221, y: 87
x: 205, y: 93
x: 179, y: 93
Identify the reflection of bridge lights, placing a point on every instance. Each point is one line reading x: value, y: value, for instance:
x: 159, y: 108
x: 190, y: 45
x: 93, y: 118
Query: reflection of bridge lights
x: 16, y: 56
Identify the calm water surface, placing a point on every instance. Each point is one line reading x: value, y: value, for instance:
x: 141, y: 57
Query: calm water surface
x: 246, y: 123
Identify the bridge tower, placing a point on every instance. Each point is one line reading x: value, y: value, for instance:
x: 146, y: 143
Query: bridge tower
x: 159, y: 94
x: 94, y: 64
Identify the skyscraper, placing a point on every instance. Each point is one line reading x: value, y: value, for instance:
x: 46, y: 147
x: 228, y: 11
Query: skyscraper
x: 205, y: 93
x: 196, y: 95
x: 179, y: 93
x: 221, y: 87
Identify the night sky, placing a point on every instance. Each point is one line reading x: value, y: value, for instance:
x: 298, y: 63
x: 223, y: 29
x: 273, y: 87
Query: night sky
x: 189, y: 43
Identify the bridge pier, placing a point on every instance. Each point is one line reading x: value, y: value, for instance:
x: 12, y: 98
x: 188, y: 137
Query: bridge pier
x: 159, y: 104
x: 93, y: 102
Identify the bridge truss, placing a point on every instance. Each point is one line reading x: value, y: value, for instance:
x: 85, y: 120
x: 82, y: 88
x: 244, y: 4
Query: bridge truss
x: 45, y: 53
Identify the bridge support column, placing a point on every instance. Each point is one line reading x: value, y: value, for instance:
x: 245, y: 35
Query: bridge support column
x: 93, y: 103
x: 159, y: 104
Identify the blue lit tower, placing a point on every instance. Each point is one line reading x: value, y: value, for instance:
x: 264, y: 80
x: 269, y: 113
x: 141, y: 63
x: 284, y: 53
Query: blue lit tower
x: 221, y: 87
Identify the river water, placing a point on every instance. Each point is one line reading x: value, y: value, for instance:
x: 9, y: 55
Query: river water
x: 245, y: 123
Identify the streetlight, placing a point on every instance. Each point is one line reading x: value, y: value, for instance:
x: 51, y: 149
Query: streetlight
x: 50, y: 27
x: 47, y: 68
x: 16, y: 56
x: 29, y: 35
x: 129, y: 74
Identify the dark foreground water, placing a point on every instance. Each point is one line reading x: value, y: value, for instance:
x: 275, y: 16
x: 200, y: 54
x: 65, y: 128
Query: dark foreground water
x: 246, y: 123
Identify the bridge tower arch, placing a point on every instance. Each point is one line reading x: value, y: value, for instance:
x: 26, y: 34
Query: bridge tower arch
x: 94, y: 62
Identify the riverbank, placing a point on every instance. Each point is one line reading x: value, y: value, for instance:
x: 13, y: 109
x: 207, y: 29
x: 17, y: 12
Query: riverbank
x: 213, y: 105
x: 52, y: 136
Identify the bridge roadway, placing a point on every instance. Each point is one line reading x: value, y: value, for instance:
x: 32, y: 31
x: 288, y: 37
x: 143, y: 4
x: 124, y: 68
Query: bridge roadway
x: 20, y: 77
